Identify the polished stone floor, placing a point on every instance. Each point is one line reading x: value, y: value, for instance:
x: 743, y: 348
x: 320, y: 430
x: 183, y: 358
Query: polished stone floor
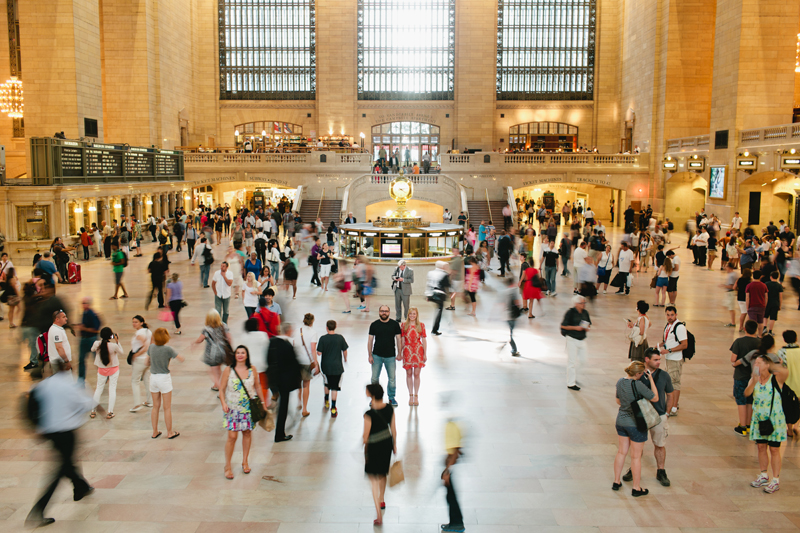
x: 538, y: 456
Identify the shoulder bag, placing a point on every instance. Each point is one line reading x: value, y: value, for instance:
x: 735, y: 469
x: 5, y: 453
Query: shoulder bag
x: 257, y: 411
x: 765, y: 427
x: 311, y: 365
x: 643, y: 411
x: 601, y: 270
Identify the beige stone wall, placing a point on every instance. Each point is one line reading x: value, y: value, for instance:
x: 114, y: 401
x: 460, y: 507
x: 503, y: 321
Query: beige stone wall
x: 608, y: 112
x: 337, y: 72
x: 15, y: 148
x: 476, y: 68
x: 577, y: 113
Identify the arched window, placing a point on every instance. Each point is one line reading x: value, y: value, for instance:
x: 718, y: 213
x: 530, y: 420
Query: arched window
x: 416, y: 137
x: 543, y: 137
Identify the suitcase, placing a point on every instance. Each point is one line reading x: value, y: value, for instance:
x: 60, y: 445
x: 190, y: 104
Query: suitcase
x: 73, y: 272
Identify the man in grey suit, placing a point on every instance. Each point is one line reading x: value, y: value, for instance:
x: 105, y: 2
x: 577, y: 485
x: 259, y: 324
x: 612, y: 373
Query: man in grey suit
x: 402, y: 278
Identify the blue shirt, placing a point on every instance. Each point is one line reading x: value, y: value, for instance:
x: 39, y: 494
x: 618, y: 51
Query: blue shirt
x: 481, y: 233
x: 47, y: 267
x: 90, y: 320
x: 62, y: 404
x: 255, y: 268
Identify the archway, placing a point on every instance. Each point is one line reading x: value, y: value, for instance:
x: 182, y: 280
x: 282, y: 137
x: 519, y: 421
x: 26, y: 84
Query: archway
x: 685, y: 194
x: 768, y: 196
x: 598, y: 197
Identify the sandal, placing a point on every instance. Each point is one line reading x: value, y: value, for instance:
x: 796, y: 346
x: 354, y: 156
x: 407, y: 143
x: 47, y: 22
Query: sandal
x: 246, y: 468
x: 109, y: 416
x: 410, y: 399
x: 93, y: 414
x: 305, y: 414
x: 156, y: 436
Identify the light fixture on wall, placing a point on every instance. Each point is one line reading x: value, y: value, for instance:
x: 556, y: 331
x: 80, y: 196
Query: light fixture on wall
x: 187, y: 197
x: 78, y: 210
x: 92, y: 209
x: 263, y: 133
x: 11, y: 101
x: 797, y: 55
x: 236, y: 133
x: 117, y: 205
x: 362, y: 136
x: 149, y: 202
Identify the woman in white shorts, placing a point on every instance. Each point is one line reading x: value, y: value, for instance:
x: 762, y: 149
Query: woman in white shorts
x: 161, y: 380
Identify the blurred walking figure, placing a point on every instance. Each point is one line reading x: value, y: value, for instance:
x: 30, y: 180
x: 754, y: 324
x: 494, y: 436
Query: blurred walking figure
x: 62, y: 408
x: 452, y: 443
x: 514, y: 310
x: 379, y: 444
x: 437, y: 286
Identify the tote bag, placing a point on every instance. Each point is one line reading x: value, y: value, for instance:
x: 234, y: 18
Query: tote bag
x: 643, y: 411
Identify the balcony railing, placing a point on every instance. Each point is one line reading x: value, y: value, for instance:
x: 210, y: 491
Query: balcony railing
x: 772, y: 136
x: 689, y: 144
x: 510, y: 162
x: 362, y: 160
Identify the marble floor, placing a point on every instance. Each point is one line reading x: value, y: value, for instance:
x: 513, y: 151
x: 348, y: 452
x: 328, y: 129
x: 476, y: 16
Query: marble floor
x: 538, y: 456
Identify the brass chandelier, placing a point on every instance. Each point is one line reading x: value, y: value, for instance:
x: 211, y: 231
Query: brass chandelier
x: 11, y: 100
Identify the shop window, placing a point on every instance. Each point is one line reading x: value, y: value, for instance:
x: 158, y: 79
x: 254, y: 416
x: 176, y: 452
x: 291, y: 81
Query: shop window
x: 33, y: 223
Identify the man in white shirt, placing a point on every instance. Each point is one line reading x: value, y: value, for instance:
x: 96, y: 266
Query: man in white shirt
x: 736, y: 222
x: 624, y: 262
x: 589, y: 216
x: 673, y: 342
x: 672, y: 287
x: 701, y: 245
x: 447, y: 217
x: 221, y: 285
x: 58, y: 348
x: 257, y: 343
x: 579, y: 257
x: 600, y: 228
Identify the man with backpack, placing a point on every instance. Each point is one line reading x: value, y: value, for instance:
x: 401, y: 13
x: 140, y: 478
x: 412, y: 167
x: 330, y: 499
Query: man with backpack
x: 675, y: 347
x: 203, y: 254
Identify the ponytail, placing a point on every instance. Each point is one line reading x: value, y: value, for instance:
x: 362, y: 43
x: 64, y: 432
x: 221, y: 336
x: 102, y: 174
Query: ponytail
x: 105, y: 336
x: 140, y: 318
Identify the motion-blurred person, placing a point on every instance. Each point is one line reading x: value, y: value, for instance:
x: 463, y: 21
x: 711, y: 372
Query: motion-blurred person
x: 438, y: 284
x: 89, y: 328
x: 283, y: 372
x: 379, y: 444
x: 62, y: 408
x: 452, y: 444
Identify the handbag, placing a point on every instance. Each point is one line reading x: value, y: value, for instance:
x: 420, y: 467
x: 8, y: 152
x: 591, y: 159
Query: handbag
x: 654, y: 281
x: 257, y: 411
x: 765, y: 427
x: 643, y: 411
x: 601, y: 270
x: 130, y: 357
x: 396, y: 474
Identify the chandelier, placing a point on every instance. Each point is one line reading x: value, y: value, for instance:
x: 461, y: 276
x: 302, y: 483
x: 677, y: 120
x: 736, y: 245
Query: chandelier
x: 11, y: 97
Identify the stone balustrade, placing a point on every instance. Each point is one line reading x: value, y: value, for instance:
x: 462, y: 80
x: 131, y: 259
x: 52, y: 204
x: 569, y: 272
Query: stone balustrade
x: 331, y: 159
x: 500, y: 162
x: 772, y: 136
x: 699, y: 143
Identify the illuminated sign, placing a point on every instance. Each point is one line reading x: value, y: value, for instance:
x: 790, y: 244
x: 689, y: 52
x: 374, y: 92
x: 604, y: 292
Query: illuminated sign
x: 669, y: 164
x: 747, y: 163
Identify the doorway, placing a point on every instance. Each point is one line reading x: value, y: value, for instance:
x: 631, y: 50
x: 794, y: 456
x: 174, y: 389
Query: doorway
x: 754, y: 209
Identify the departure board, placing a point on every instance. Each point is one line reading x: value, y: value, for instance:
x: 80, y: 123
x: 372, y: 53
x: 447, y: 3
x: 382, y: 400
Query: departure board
x: 71, y: 162
x: 103, y: 163
x: 137, y: 164
x: 166, y: 165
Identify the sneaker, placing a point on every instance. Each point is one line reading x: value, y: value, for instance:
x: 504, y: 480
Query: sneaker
x: 760, y: 481
x: 393, y: 402
x: 574, y: 387
x: 553, y: 293
x: 29, y: 366
x: 605, y: 291
x: 729, y: 325
x: 327, y: 404
x: 334, y: 412
x: 620, y: 293
x: 662, y: 478
x: 628, y: 476
x: 674, y: 412
x: 515, y: 354
x: 362, y: 307
x: 451, y: 527
x: 741, y: 430
x: 773, y: 486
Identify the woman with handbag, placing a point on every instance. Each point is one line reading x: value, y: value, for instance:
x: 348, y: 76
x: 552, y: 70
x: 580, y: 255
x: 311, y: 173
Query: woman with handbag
x: 218, y: 345
x: 531, y: 284
x: 637, y: 332
x: 379, y: 445
x: 242, y: 402
x: 768, y: 425
x: 631, y: 429
x: 605, y: 264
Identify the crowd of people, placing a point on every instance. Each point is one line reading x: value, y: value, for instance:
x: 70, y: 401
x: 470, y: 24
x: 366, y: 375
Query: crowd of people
x: 255, y: 257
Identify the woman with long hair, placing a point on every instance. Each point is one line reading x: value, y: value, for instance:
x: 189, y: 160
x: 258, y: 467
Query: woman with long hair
x: 324, y: 258
x: 645, y: 247
x: 530, y: 283
x: 238, y: 386
x: 291, y: 269
x: 218, y: 341
x: 11, y: 293
x: 630, y: 437
x: 379, y: 444
x: 175, y: 300
x: 637, y: 332
x: 108, y: 351
x: 662, y: 282
x: 741, y: 295
x: 307, y: 356
x: 140, y: 363
x: 250, y: 293
x: 415, y: 352
x: 161, y: 381
x: 472, y: 281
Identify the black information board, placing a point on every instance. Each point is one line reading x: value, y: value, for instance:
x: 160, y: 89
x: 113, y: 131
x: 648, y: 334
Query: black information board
x: 166, y: 165
x: 137, y: 164
x: 103, y: 163
x: 71, y: 162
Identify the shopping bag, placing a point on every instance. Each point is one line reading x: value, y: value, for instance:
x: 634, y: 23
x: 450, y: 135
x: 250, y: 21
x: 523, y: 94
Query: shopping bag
x: 165, y: 315
x: 396, y: 473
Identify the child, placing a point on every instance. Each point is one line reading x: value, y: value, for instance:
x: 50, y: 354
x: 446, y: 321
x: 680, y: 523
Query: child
x: 332, y: 348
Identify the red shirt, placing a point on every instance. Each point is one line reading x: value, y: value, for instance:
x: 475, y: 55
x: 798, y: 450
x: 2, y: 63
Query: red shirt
x: 758, y: 293
x: 270, y: 322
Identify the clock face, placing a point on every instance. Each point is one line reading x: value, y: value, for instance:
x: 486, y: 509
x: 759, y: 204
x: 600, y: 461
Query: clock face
x: 401, y: 189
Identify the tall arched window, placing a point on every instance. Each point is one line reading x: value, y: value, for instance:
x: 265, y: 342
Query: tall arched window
x: 545, y: 49
x: 416, y: 137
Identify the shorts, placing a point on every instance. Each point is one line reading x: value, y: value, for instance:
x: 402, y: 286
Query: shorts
x: 248, y: 243
x: 332, y: 381
x: 660, y: 432
x: 632, y: 433
x: 662, y: 282
x: 325, y: 271
x: 675, y: 369
x: 742, y: 306
x: 756, y: 313
x: 739, y: 386
x: 772, y: 313
x: 118, y: 277
x: 770, y: 443
x: 672, y: 286
x: 730, y: 301
x: 161, y: 383
x: 456, y: 285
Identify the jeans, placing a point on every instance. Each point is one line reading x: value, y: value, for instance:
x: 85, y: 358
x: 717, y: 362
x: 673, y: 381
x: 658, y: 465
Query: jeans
x: 84, y: 348
x: 438, y: 319
x: 550, y: 277
x: 456, y: 519
x: 64, y: 443
x: 565, y: 268
x: 29, y: 335
x: 190, y: 246
x: 221, y: 305
x: 390, y: 364
x: 274, y: 268
x: 576, y: 352
x: 140, y: 372
x: 511, y: 324
x: 205, y: 270
x: 112, y: 389
x: 85, y: 253
x: 701, y: 255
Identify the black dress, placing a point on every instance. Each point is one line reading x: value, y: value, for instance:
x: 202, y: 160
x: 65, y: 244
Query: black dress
x: 378, y: 451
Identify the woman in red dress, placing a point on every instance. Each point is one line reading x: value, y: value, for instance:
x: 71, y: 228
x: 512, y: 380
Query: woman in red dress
x: 530, y: 294
x: 415, y: 352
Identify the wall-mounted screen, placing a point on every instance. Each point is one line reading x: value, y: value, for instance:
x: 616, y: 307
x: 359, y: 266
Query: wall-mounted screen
x: 717, y: 185
x: 388, y: 249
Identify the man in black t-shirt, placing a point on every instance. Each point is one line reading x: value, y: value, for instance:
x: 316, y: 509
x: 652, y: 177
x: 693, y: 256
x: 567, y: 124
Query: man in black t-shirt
x: 158, y: 269
x: 332, y: 349
x: 384, y: 336
x: 741, y: 374
x: 574, y: 327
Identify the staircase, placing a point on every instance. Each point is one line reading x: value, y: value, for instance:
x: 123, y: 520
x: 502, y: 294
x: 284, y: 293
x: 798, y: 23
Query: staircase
x: 330, y: 210
x: 479, y: 210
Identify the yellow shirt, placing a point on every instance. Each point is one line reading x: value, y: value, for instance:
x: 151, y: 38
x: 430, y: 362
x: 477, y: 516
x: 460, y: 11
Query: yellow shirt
x: 452, y: 437
x: 793, y: 364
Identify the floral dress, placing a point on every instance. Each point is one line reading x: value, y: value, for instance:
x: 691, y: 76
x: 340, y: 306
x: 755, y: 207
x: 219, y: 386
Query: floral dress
x: 413, y: 353
x: 762, y: 398
x: 238, y: 416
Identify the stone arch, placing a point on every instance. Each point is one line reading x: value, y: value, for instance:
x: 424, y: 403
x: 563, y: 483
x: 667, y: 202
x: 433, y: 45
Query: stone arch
x: 684, y: 193
x: 776, y: 192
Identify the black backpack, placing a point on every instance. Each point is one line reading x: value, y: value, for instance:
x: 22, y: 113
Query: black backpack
x: 208, y: 256
x: 791, y: 405
x: 689, y: 351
